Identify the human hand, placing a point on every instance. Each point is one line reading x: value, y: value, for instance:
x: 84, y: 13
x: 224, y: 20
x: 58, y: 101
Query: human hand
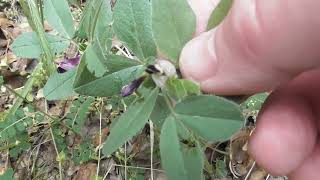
x: 262, y: 46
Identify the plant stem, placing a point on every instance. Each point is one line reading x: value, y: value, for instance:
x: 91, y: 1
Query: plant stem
x: 26, y: 89
x: 151, y: 146
x: 95, y: 19
x: 100, y: 141
x: 55, y: 146
x: 40, y: 7
x: 170, y: 106
x: 47, y: 54
x: 25, y: 100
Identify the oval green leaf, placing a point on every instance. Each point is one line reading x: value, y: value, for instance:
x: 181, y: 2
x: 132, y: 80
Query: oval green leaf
x: 1, y: 80
x: 193, y: 161
x: 211, y: 117
x: 160, y: 112
x: 59, y: 86
x: 173, y: 24
x: 181, y: 88
x: 96, y: 16
x: 130, y: 123
x: 104, y: 77
x: 132, y: 25
x: 219, y: 13
x: 107, y: 85
x: 27, y: 45
x: 58, y: 15
x: 171, y: 155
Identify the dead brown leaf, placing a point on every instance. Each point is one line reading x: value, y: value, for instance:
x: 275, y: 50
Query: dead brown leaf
x: 258, y: 175
x: 86, y: 172
x: 240, y: 161
x: 96, y: 138
x: 5, y: 23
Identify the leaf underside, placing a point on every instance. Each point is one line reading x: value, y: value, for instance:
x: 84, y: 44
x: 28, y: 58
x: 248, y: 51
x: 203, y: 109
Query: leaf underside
x: 173, y: 24
x: 130, y: 123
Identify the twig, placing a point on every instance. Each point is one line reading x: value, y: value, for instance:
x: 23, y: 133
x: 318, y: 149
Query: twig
x: 151, y: 146
x: 125, y: 161
x: 100, y: 142
x: 133, y: 167
x: 125, y: 146
x: 56, y: 149
x: 122, y: 51
x: 29, y: 102
x: 217, y: 150
x: 268, y: 176
x: 55, y: 145
x: 38, y: 148
x: 249, y: 172
x: 128, y: 52
x: 26, y: 89
x: 34, y: 159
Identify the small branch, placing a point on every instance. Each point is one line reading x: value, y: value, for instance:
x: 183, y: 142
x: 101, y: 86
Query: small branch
x: 133, y: 167
x: 55, y: 145
x: 57, y: 152
x: 151, y: 146
x: 26, y: 89
x: 249, y: 172
x: 13, y: 124
x: 100, y: 141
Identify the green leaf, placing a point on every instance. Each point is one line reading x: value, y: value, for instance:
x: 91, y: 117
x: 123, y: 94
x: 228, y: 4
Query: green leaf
x: 171, y: 156
x: 94, y: 62
x: 37, y: 21
x: 119, y: 72
x: 213, y: 118
x: 221, y: 169
x: 1, y: 80
x: 74, y: 2
x: 116, y: 63
x: 96, y: 56
x: 82, y: 153
x: 59, y: 86
x: 130, y: 123
x: 8, y: 174
x: 193, y: 161
x: 81, y: 115
x: 58, y: 15
x: 27, y: 45
x: 59, y: 138
x: 97, y: 16
x: 181, y: 88
x: 21, y: 147
x: 160, y: 112
x: 102, y: 42
x: 132, y: 25
x: 256, y: 101
x: 173, y: 24
x: 219, y: 13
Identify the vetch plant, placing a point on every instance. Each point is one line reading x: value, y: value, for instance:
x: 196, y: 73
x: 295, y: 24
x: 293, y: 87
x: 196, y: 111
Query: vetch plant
x: 186, y: 118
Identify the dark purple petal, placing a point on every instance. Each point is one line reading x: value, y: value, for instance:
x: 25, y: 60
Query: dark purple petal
x: 151, y: 69
x: 129, y: 89
x: 68, y: 63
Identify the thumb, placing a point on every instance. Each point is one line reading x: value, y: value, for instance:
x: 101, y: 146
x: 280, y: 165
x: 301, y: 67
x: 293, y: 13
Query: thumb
x: 259, y: 45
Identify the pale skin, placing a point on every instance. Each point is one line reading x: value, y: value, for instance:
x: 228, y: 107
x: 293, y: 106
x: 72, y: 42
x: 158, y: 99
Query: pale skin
x: 266, y: 45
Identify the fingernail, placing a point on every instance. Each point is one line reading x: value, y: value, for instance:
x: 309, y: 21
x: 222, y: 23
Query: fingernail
x: 198, y: 59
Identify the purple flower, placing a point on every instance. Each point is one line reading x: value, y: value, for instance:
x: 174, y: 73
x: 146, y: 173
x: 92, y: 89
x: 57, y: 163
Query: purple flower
x: 129, y: 89
x: 68, y: 63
